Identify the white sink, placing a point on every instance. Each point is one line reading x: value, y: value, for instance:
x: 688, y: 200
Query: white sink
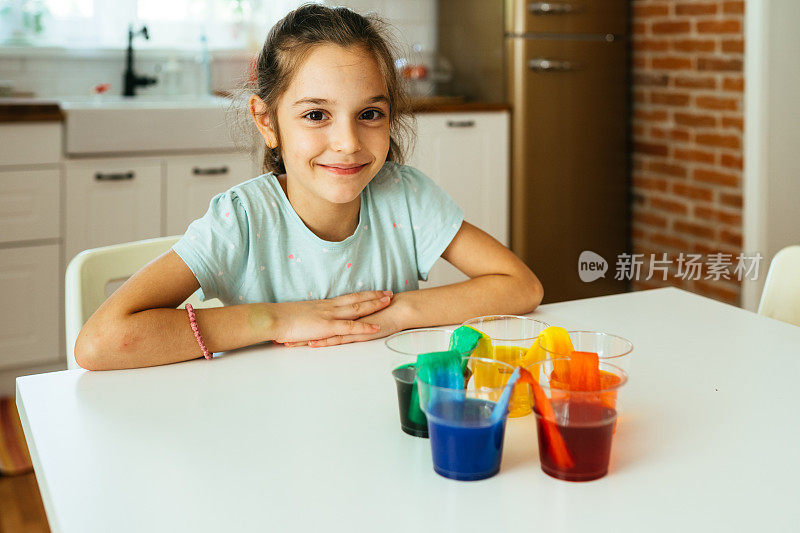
x: 116, y: 124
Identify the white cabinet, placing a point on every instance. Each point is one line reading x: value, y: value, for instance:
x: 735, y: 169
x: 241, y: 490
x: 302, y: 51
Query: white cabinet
x: 467, y: 154
x: 30, y: 282
x: 109, y: 201
x: 191, y: 182
x: 30, y: 204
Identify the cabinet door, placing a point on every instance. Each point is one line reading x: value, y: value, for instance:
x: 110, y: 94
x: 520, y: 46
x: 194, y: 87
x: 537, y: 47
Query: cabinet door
x: 192, y: 181
x: 111, y: 201
x: 467, y: 154
x: 29, y: 204
x: 29, y: 283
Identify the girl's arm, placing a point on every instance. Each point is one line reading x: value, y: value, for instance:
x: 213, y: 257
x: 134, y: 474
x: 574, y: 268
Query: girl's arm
x: 500, y: 283
x: 139, y: 325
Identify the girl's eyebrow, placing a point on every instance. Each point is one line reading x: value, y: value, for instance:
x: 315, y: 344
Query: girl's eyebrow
x: 323, y: 101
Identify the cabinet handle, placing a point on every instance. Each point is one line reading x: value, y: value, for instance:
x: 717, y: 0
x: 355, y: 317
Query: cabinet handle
x: 211, y: 171
x: 460, y: 123
x: 114, y: 176
x: 550, y: 8
x: 541, y: 64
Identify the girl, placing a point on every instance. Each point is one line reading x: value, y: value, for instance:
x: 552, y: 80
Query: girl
x: 328, y: 246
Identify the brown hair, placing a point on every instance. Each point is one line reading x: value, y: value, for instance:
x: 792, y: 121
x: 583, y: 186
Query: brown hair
x: 291, y: 40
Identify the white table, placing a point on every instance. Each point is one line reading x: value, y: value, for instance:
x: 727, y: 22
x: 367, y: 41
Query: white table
x: 277, y: 439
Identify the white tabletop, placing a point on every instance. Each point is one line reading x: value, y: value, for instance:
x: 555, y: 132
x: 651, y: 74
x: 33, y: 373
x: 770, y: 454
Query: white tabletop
x: 297, y: 439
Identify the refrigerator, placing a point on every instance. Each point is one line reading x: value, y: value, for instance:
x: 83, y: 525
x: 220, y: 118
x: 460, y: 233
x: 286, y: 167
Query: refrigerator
x: 563, y: 69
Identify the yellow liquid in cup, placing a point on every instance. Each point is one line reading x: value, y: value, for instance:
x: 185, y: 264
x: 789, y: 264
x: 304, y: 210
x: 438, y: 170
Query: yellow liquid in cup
x: 489, y: 376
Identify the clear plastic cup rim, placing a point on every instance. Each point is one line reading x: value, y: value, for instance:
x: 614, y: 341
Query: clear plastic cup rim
x: 603, y: 366
x: 387, y: 342
x: 488, y: 318
x: 598, y: 333
x: 482, y: 389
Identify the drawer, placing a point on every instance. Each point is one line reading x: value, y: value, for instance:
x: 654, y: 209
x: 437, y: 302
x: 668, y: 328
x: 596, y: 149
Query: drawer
x: 29, y: 204
x: 567, y: 16
x: 30, y: 319
x: 30, y: 144
x: 110, y: 201
x: 193, y: 181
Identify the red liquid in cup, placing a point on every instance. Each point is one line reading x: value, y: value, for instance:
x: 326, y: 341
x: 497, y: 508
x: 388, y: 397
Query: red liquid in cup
x: 587, y: 438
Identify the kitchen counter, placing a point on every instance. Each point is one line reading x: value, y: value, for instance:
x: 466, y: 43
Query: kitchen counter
x: 30, y: 110
x: 49, y: 110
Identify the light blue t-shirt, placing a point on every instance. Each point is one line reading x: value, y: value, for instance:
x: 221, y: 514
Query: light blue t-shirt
x: 251, y: 246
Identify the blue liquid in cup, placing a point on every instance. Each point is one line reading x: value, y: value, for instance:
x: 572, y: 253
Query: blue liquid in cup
x: 465, y: 445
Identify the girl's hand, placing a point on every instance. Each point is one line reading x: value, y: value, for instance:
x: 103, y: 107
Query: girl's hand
x: 389, y: 319
x: 314, y: 319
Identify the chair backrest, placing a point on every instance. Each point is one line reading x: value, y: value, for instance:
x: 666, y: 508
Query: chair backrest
x: 90, y: 272
x: 781, y: 296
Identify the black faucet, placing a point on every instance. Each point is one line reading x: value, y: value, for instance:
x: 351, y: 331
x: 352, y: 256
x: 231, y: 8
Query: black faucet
x: 130, y: 79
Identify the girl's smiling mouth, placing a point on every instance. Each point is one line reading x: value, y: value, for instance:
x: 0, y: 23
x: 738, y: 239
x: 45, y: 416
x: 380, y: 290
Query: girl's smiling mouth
x: 343, y: 169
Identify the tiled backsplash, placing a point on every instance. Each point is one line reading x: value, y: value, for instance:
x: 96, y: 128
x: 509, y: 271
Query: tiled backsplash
x: 60, y: 73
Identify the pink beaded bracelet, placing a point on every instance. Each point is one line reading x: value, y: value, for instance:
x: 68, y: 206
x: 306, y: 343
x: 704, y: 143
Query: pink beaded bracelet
x: 196, y: 330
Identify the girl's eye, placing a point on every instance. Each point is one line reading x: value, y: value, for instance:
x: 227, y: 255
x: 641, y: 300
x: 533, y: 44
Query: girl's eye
x: 314, y: 116
x: 372, y: 114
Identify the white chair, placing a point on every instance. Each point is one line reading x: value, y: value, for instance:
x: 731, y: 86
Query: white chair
x: 781, y: 296
x: 91, y: 271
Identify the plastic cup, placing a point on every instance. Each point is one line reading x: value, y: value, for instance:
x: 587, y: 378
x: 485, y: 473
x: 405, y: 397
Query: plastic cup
x: 405, y: 347
x: 511, y: 337
x: 466, y: 444
x: 611, y: 349
x: 584, y: 419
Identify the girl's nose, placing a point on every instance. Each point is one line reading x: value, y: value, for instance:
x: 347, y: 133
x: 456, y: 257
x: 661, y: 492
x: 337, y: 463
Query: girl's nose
x: 344, y: 137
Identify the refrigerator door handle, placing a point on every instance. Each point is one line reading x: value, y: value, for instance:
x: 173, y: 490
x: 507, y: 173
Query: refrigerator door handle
x: 551, y: 8
x: 542, y: 64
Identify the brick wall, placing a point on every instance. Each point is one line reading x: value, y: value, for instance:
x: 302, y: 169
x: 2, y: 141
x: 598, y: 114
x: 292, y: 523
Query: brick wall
x: 687, y: 140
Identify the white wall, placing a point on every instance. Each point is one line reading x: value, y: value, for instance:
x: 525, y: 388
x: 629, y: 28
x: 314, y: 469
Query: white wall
x: 772, y: 133
x: 64, y: 73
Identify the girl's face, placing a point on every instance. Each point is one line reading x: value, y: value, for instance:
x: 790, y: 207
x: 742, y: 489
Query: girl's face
x: 334, y: 123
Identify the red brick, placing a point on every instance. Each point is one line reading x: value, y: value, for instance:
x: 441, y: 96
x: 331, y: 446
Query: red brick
x: 716, y: 64
x: 719, y: 26
x: 670, y: 206
x: 694, y: 45
x: 639, y: 97
x: 733, y: 122
x: 695, y: 120
x: 731, y: 161
x: 639, y: 62
x: 680, y: 135
x: 695, y: 8
x: 717, y: 103
x: 638, y: 233
x: 733, y: 84
x: 733, y: 238
x: 693, y: 155
x: 650, y: 184
x: 649, y: 219
x: 638, y: 130
x: 696, y: 230
x: 733, y: 7
x: 671, y: 63
x: 653, y: 79
x: 717, y: 290
x: 649, y: 10
x: 650, y: 45
x: 671, y: 99
x: 693, y: 192
x: 670, y: 241
x: 733, y: 46
x: 718, y: 215
x: 671, y: 27
x: 660, y: 167
x: 655, y: 115
x: 716, y: 177
x: 721, y: 141
x: 695, y: 82
x: 650, y: 148
x: 639, y: 28
x: 658, y: 133
x: 731, y: 199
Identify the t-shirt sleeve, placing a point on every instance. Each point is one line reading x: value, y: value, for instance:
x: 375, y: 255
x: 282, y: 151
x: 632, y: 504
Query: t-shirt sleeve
x: 215, y: 247
x: 435, y: 217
